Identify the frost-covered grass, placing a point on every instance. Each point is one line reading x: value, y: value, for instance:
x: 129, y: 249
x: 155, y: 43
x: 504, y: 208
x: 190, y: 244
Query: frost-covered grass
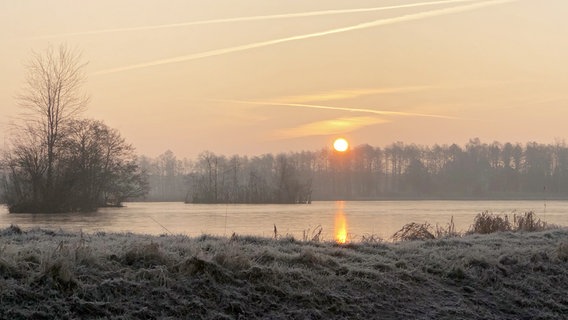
x: 57, y: 274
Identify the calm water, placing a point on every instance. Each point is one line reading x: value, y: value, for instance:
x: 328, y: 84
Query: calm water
x: 350, y: 218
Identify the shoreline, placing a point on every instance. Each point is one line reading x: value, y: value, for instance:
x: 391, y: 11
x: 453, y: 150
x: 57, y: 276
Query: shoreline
x: 46, y: 273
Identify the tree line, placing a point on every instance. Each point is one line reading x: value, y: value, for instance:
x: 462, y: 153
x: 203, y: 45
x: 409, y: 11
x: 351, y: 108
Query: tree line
x: 398, y: 171
x: 214, y: 178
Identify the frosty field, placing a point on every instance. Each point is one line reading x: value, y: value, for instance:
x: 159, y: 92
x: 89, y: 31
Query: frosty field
x: 56, y: 274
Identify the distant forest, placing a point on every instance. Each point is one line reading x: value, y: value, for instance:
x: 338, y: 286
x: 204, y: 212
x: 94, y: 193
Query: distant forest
x: 399, y: 171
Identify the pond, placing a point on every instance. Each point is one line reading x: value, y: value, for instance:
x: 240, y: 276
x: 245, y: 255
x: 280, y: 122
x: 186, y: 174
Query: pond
x: 338, y: 220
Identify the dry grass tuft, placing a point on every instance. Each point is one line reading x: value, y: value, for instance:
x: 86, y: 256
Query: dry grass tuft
x: 447, y: 232
x: 9, y: 269
x: 562, y: 251
x: 486, y: 223
x: 59, y: 273
x: 414, y: 231
x: 308, y: 235
x: 145, y: 255
x: 232, y: 257
x: 528, y: 222
x: 11, y: 230
x: 371, y: 238
x: 313, y: 235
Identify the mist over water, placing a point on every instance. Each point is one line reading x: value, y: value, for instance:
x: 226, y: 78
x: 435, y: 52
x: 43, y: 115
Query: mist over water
x: 359, y: 218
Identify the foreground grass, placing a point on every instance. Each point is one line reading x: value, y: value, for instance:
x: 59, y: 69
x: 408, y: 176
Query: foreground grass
x: 54, y: 274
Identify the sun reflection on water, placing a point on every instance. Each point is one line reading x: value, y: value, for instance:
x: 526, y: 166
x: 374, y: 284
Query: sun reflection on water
x: 340, y: 223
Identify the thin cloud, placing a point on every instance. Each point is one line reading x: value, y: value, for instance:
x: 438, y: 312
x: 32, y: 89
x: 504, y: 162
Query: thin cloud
x: 255, y: 18
x: 327, y: 127
x: 347, y: 94
x: 366, y: 25
x: 359, y: 110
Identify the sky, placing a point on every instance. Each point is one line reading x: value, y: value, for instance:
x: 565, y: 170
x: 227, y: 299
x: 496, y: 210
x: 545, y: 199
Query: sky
x: 266, y: 76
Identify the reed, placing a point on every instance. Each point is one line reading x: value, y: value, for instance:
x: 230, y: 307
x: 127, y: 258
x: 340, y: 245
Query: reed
x: 486, y: 222
x: 414, y: 231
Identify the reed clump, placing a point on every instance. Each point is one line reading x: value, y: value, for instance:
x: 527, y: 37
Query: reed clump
x: 449, y: 231
x: 308, y: 235
x: 486, y: 222
x: 528, y: 222
x: 414, y: 231
x: 371, y: 238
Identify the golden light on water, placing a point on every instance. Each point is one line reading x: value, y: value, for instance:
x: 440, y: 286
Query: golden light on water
x: 340, y: 223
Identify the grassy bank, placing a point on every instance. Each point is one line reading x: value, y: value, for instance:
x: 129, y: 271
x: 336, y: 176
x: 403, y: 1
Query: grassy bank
x: 46, y: 274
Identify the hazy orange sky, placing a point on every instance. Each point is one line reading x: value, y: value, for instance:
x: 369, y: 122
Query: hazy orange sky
x: 258, y: 76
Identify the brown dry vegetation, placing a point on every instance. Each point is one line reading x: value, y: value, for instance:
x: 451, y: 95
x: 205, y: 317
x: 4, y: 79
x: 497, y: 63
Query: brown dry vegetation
x: 55, y: 274
x: 484, y: 223
x: 487, y: 222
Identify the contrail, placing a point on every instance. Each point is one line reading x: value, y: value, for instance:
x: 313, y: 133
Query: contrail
x: 380, y: 22
x: 348, y: 94
x: 361, y: 110
x: 256, y: 18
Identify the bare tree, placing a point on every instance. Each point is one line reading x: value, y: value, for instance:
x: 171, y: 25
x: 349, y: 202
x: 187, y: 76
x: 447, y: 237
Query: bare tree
x: 58, y: 162
x: 52, y: 96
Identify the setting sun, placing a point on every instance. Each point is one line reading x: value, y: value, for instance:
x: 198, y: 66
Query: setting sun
x: 340, y: 145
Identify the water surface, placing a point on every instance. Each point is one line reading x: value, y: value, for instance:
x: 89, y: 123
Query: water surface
x: 351, y: 218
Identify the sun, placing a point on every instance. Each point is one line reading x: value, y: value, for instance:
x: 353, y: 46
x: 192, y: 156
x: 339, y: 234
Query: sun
x: 340, y: 145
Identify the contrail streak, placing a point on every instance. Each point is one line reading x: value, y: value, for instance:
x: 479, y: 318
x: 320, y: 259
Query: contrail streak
x: 361, y: 110
x: 366, y: 25
x: 348, y: 94
x: 256, y: 18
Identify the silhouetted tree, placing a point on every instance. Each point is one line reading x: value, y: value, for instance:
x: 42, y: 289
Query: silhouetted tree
x: 101, y: 168
x: 52, y: 97
x: 57, y: 162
